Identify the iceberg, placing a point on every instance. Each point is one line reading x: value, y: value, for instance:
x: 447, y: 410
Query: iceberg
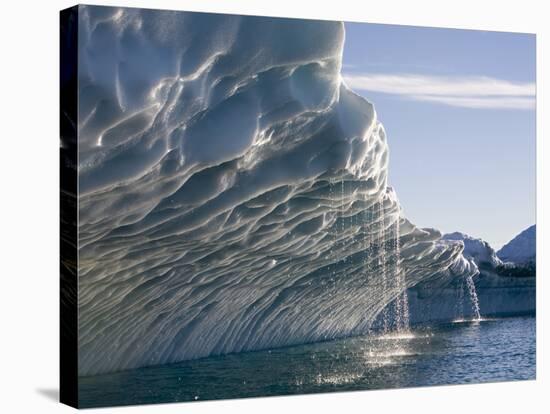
x: 476, y: 249
x: 502, y: 288
x: 233, y: 191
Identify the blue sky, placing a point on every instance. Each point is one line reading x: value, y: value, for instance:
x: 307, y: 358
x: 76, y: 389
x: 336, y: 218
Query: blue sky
x: 458, y: 107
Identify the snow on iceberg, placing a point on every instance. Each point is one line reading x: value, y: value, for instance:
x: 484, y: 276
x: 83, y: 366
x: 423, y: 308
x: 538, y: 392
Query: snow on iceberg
x: 233, y: 190
x: 476, y: 249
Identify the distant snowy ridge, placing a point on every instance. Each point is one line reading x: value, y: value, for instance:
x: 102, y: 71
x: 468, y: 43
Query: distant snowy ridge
x: 233, y: 191
x: 522, y: 249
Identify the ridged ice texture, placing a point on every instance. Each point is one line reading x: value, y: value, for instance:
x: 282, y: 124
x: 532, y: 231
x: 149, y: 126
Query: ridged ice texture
x: 233, y: 191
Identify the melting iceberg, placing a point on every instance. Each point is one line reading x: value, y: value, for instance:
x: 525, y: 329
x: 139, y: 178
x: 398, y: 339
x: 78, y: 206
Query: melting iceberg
x: 233, y: 191
x: 500, y: 289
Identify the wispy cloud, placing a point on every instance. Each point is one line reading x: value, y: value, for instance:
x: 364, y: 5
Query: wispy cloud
x: 467, y: 92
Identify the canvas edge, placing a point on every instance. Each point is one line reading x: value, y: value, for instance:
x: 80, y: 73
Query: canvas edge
x: 68, y: 113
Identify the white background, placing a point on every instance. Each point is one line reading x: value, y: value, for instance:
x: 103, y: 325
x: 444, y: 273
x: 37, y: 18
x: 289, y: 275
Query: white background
x: 29, y: 231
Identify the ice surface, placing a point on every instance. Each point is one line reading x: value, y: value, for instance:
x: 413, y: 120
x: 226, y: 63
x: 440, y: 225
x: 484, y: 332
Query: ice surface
x: 477, y: 249
x: 233, y: 190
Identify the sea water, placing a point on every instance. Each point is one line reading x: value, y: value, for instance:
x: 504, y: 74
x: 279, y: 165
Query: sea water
x: 456, y: 353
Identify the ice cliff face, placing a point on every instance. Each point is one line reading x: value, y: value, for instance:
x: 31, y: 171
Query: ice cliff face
x: 522, y: 249
x: 233, y: 190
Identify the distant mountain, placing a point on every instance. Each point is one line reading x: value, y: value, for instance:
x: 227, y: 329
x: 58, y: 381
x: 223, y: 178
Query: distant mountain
x: 522, y: 249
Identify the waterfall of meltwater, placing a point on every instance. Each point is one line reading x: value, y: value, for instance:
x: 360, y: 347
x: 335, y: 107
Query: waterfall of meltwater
x: 368, y: 245
x: 333, y: 236
x: 473, y: 297
x: 381, y: 253
x: 401, y: 304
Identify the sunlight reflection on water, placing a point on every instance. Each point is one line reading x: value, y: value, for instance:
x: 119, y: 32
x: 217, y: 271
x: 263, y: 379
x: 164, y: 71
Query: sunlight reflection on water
x: 454, y: 353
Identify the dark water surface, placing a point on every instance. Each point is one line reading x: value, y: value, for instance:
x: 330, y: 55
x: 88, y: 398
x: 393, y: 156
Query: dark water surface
x: 457, y: 353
